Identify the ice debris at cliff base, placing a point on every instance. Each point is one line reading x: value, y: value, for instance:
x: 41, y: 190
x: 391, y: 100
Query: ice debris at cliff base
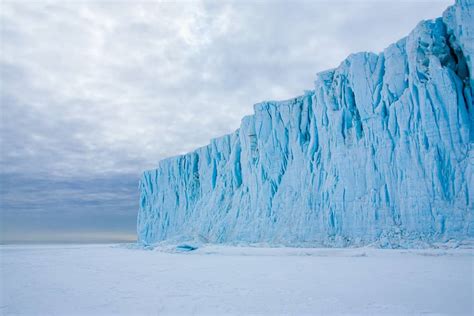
x: 380, y: 151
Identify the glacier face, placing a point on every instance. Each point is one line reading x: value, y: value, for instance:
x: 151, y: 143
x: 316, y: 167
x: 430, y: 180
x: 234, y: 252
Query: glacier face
x: 380, y: 151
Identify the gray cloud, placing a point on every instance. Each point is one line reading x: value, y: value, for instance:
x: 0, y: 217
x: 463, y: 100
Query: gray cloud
x: 94, y: 90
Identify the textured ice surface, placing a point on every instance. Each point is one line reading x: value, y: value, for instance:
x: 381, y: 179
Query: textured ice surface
x: 380, y: 151
x: 76, y: 280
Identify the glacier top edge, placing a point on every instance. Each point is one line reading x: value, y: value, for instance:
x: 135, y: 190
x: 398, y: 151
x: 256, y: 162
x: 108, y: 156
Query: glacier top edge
x: 326, y: 75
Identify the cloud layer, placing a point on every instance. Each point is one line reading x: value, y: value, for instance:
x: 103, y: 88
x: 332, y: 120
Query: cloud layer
x: 95, y: 91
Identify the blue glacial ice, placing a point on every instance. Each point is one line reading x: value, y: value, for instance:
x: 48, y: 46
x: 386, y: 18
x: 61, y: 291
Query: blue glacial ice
x: 381, y: 151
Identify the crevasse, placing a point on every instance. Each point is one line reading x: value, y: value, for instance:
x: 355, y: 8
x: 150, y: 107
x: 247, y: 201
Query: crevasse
x: 380, y: 151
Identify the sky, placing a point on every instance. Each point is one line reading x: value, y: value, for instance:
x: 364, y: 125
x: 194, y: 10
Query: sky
x: 94, y: 92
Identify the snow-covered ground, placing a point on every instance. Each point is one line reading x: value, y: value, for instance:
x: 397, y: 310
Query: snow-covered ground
x: 108, y: 279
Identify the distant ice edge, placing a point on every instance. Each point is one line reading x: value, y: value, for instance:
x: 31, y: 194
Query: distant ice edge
x: 381, y: 151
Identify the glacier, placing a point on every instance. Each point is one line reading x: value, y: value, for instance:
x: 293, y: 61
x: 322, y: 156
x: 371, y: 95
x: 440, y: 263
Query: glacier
x: 380, y: 151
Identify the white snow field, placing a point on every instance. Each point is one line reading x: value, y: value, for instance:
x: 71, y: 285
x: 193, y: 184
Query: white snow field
x: 221, y: 280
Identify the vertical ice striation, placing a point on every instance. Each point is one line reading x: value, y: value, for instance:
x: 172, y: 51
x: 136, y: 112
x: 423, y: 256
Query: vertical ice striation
x: 381, y: 150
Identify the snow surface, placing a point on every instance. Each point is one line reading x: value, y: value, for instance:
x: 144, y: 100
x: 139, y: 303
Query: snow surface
x: 218, y: 280
x: 382, y: 150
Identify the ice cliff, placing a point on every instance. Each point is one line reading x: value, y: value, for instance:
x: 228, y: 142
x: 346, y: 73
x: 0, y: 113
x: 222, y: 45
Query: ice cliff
x: 380, y: 151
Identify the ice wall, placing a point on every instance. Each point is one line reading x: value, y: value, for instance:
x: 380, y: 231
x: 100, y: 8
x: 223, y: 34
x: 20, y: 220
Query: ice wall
x: 380, y: 151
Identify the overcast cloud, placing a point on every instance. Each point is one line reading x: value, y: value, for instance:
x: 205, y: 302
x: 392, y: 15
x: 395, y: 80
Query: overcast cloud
x: 94, y: 92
